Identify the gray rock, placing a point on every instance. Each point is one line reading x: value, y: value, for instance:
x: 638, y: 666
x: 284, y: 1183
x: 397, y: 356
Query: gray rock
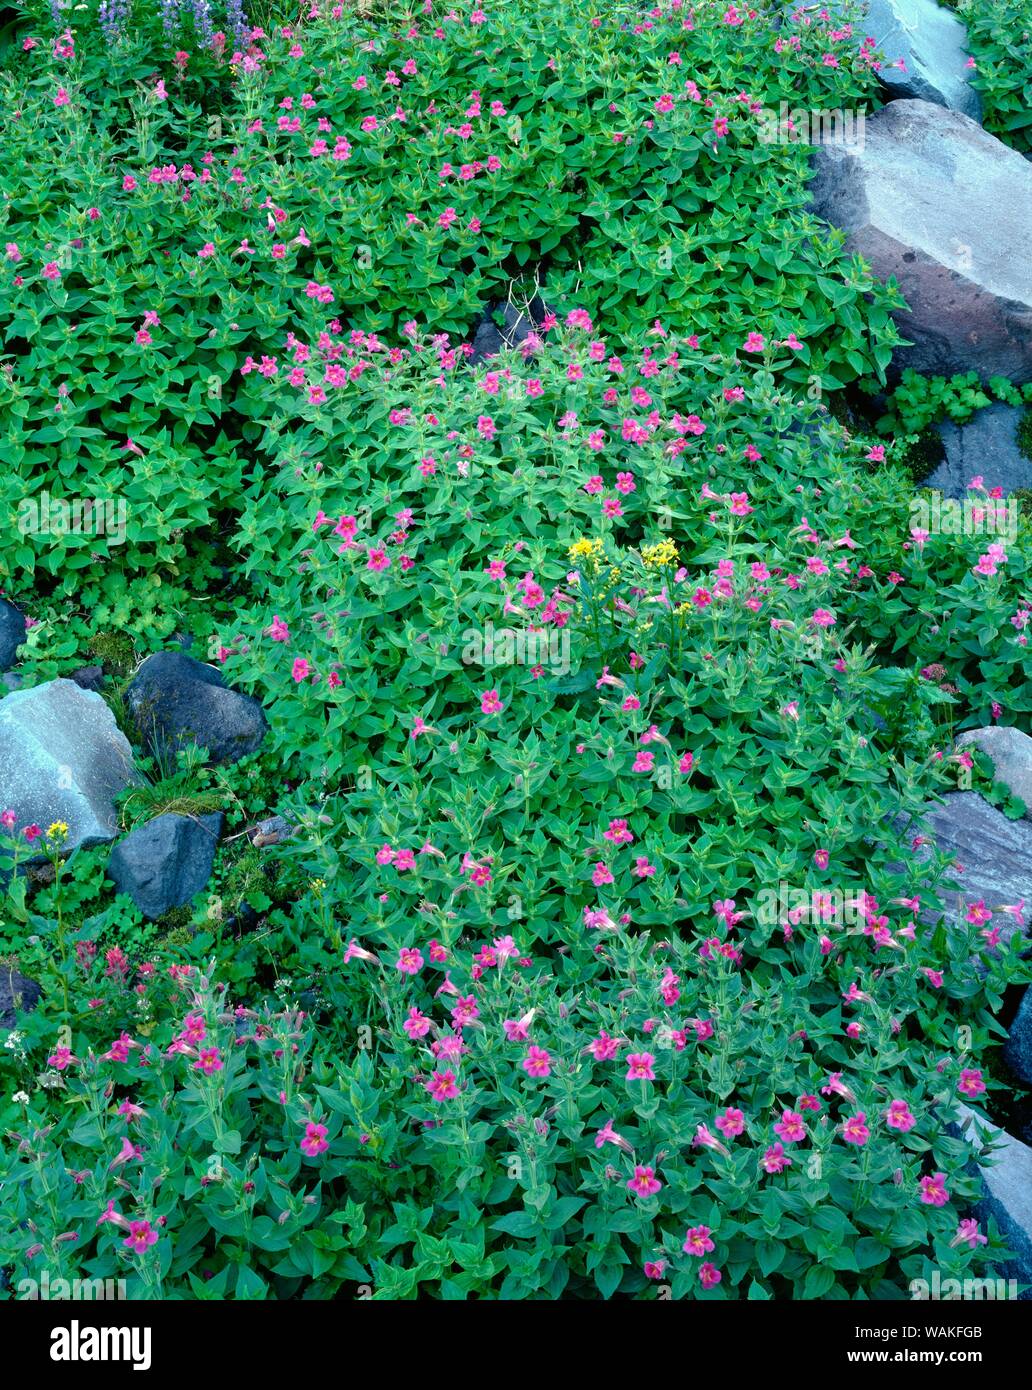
x: 271, y: 832
x: 1007, y: 1177
x: 1011, y: 753
x: 994, y: 856
x: 63, y: 758
x: 17, y: 991
x: 931, y: 198
x: 931, y: 42
x: 517, y: 325
x: 176, y: 700
x: 1017, y: 1051
x: 12, y: 633
x: 165, y: 862
x: 89, y: 677
x: 986, y: 445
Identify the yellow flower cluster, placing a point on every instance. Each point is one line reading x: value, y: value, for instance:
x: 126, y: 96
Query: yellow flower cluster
x: 658, y: 555
x: 57, y: 832
x: 585, y: 550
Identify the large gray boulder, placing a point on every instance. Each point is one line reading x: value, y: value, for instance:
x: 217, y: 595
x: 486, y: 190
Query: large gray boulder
x: 932, y: 199
x: 923, y: 48
x: 177, y: 700
x: 17, y: 993
x: 1006, y: 1169
x: 12, y: 633
x: 930, y: 42
x: 1011, y: 754
x: 165, y: 862
x: 994, y: 856
x: 988, y: 446
x: 1017, y: 1051
x: 63, y: 758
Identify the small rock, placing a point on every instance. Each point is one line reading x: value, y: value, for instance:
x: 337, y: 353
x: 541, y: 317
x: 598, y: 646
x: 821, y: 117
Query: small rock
x: 517, y: 326
x: 176, y: 700
x: 1007, y: 1175
x: 270, y: 832
x: 931, y: 198
x: 17, y: 992
x: 89, y: 678
x: 1011, y: 754
x: 166, y: 862
x: 1017, y: 1051
x: 12, y: 633
x: 63, y: 758
x: 986, y: 445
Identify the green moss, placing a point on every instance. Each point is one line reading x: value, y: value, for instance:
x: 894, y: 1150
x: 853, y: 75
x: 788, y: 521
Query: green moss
x: 115, y: 651
x: 144, y: 803
x: 246, y: 879
x: 1025, y: 435
x: 923, y: 456
x: 176, y: 925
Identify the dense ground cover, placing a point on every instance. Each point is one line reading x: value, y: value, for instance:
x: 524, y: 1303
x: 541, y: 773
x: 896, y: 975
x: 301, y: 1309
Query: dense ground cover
x: 599, y: 675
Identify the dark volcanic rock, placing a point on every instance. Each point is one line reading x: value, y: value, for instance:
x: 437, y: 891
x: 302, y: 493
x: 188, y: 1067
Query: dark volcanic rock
x: 166, y: 862
x: 17, y: 991
x: 176, y: 700
x: 517, y: 325
x: 12, y: 633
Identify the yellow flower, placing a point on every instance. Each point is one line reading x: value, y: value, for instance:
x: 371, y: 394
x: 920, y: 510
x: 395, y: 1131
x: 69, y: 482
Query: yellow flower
x: 317, y: 885
x: 585, y: 549
x: 662, y: 553
x: 57, y: 832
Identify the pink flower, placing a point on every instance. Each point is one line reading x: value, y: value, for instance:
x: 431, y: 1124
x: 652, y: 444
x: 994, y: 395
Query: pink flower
x: 490, y: 703
x: 314, y: 1141
x: 640, y: 1066
x: 697, y: 1241
x: 969, y: 1234
x: 654, y: 1269
x: 140, y: 1238
x: 209, y: 1061
x: 731, y: 1123
x: 753, y: 343
x: 417, y: 1025
x: 301, y: 669
x: 442, y: 1085
x: 644, y: 1183
x: 855, y: 1130
x: 604, y: 1048
x: 898, y: 1116
x: 709, y: 1275
x: 791, y: 1127
x: 775, y: 1159
x: 537, y: 1062
x: 410, y: 960
x: 970, y: 1083
x: 933, y: 1190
